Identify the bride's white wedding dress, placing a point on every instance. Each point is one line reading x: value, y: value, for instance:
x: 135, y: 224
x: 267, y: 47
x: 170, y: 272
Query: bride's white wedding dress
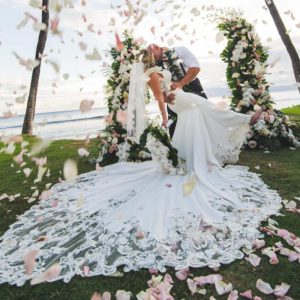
x: 132, y: 215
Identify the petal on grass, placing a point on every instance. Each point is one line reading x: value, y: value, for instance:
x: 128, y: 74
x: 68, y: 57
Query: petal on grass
x: 264, y: 287
x: 29, y: 260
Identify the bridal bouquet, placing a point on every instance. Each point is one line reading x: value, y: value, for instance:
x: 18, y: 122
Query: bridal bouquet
x: 157, y: 141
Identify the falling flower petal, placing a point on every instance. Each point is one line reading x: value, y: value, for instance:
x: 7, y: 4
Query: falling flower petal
x: 83, y: 152
x: 70, y: 170
x: 119, y: 44
x: 189, y: 186
x: 83, y: 46
x: 94, y: 56
x: 86, y: 105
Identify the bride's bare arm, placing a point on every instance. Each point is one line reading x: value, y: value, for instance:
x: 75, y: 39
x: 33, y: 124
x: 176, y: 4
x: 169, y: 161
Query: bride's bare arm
x: 154, y: 84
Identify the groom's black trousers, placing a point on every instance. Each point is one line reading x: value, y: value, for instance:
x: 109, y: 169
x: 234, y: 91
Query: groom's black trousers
x: 193, y: 87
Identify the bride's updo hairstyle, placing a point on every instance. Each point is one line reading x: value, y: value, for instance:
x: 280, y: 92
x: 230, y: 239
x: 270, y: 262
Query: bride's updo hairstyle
x: 147, y: 58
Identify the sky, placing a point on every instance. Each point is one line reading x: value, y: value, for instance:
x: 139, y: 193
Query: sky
x: 80, y: 79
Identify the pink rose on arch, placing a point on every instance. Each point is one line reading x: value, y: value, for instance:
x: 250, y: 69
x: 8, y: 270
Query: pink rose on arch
x: 108, y: 118
x: 122, y: 116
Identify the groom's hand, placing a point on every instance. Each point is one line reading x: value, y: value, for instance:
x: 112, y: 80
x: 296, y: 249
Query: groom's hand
x: 176, y: 85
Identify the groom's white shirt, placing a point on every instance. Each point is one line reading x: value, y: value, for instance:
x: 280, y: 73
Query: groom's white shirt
x: 189, y: 60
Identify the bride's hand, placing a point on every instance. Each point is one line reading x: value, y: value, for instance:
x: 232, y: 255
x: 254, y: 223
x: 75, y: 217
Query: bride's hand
x: 164, y: 119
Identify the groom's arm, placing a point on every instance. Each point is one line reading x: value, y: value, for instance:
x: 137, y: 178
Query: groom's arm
x: 191, y: 74
x: 192, y: 64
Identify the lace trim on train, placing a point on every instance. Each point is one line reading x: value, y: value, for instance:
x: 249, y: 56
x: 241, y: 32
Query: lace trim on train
x: 228, y: 151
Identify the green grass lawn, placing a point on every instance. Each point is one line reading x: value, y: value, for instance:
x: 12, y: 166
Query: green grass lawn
x: 293, y: 110
x: 284, y: 176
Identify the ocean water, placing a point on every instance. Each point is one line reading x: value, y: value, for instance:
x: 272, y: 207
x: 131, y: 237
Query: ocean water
x: 73, y: 124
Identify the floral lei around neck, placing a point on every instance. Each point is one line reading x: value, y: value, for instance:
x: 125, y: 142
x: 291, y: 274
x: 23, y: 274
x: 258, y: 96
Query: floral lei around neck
x: 172, y: 62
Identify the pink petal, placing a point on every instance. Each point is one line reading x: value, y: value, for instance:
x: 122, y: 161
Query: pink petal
x: 45, y: 195
x: 259, y: 243
x: 264, y: 287
x: 83, y: 152
x: 153, y: 271
x: 182, y: 274
x: 96, y: 296
x: 122, y: 117
x: 257, y: 298
x: 253, y: 259
x: 282, y: 233
x: 164, y: 287
x: 192, y: 285
x: 222, y: 287
x: 281, y: 290
x: 168, y: 278
x: 119, y: 44
x: 29, y: 260
x: 234, y: 295
x: 106, y: 296
x: 86, y: 270
x: 209, y: 279
x: 48, y: 275
x: 86, y: 105
x: 123, y: 295
x: 247, y: 294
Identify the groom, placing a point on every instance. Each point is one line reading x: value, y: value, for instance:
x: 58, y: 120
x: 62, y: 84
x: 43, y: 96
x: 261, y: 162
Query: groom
x: 184, y: 67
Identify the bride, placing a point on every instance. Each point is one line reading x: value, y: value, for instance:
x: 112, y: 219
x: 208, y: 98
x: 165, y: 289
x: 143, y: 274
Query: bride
x: 132, y: 215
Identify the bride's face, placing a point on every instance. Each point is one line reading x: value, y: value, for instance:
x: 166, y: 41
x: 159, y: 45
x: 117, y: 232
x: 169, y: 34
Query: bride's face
x: 156, y: 51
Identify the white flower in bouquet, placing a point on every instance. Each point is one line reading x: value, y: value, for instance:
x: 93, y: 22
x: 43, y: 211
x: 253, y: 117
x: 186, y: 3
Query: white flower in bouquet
x: 114, y: 140
x: 257, y: 107
x: 274, y: 133
x: 250, y: 113
x: 259, y: 125
x: 265, y: 131
x: 109, y: 139
x: 245, y: 102
x: 236, y: 75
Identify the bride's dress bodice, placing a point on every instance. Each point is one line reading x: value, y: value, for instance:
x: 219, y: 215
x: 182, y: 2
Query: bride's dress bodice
x: 165, y: 79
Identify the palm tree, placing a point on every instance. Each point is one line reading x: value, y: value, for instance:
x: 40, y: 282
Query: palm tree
x: 30, y: 109
x: 286, y: 40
